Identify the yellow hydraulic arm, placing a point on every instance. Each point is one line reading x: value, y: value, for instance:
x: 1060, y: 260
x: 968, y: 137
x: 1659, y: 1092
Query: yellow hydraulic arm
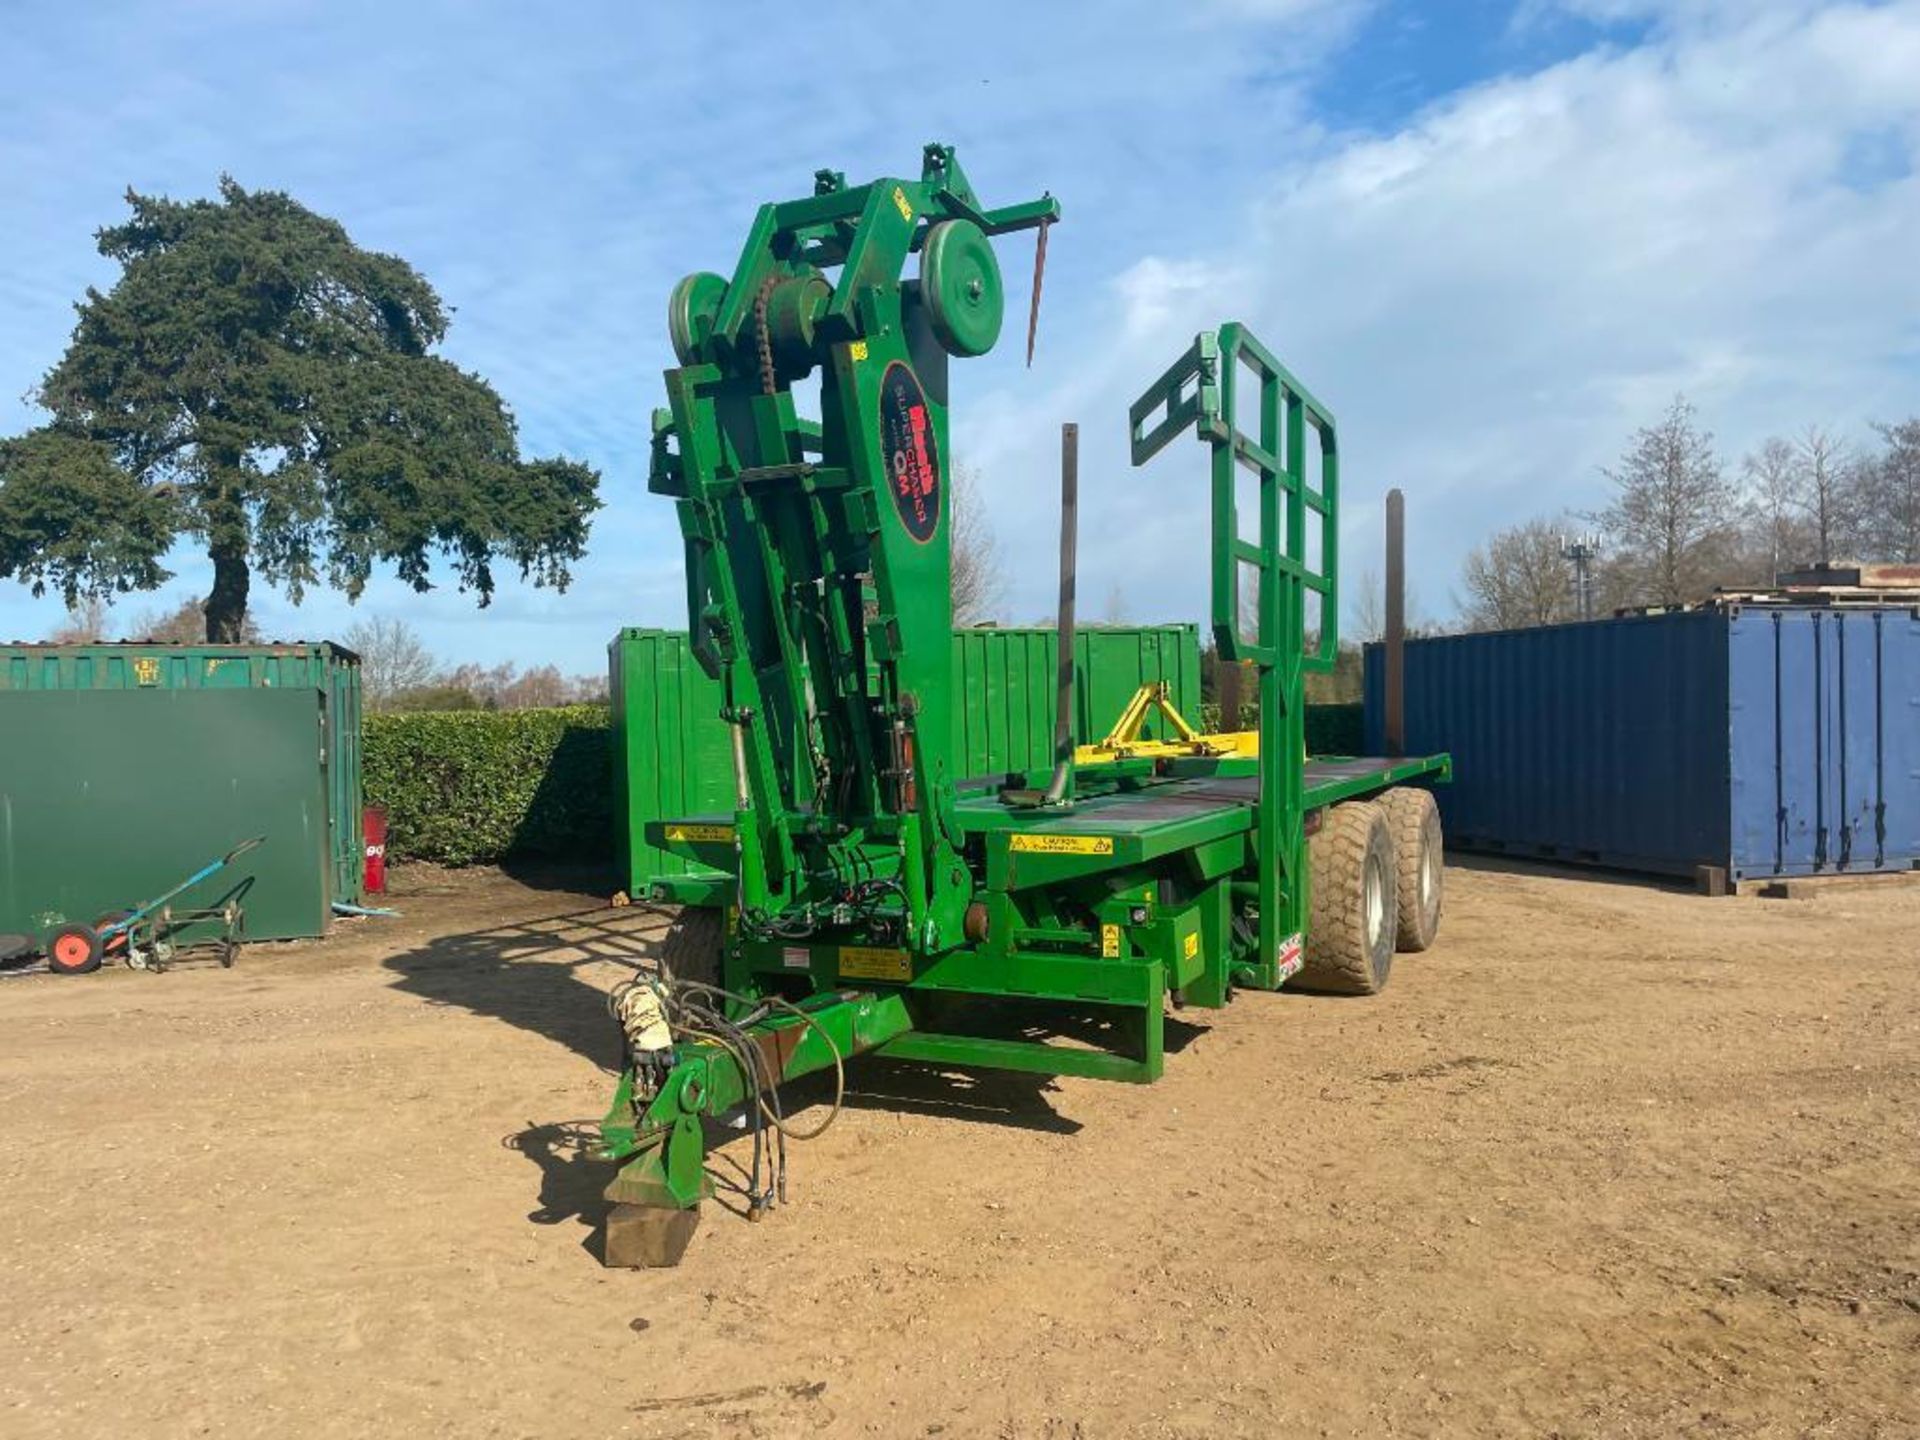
x: 1123, y: 741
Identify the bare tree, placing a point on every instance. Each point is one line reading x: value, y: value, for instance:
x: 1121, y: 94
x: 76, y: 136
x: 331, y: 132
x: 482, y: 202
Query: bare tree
x: 1889, y: 520
x: 978, y: 574
x: 1826, y: 486
x: 1367, y: 616
x: 1671, y: 518
x: 536, y: 689
x: 503, y: 687
x: 86, y: 623
x: 185, y: 624
x: 1518, y: 579
x: 1779, y: 536
x: 393, y: 661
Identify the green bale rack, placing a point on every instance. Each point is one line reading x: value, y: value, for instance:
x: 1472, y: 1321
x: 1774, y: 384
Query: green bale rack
x: 672, y: 753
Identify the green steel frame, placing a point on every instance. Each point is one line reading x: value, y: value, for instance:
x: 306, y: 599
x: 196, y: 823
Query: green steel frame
x: 1293, y: 557
x: 871, y: 883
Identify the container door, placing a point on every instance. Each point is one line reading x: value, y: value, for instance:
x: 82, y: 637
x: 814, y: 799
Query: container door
x: 1779, y: 743
x: 1897, y: 635
x: 1826, y: 741
x: 1857, y: 749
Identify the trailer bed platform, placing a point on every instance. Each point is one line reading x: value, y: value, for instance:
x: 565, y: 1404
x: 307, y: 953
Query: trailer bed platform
x: 1226, y: 801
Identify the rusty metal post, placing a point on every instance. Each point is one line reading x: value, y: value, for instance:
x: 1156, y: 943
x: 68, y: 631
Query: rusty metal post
x: 1069, y: 538
x: 1393, y: 690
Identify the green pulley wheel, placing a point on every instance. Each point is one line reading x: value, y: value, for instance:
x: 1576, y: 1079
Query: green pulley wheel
x: 960, y: 286
x: 691, y: 311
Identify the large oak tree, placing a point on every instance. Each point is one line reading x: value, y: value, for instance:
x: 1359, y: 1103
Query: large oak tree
x: 257, y: 383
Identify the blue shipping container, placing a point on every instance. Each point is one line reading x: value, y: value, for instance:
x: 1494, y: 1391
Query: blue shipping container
x: 1764, y: 741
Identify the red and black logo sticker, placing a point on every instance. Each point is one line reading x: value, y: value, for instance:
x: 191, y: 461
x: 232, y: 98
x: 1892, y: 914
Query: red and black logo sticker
x: 911, y: 453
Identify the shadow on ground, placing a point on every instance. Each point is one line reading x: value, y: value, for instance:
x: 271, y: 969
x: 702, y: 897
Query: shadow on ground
x: 528, y: 973
x: 576, y: 877
x: 1562, y: 870
x: 532, y: 974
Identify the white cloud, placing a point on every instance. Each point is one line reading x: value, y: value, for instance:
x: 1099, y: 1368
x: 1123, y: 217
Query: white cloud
x: 554, y: 181
x: 1492, y: 298
x: 1489, y: 297
x: 1343, y: 12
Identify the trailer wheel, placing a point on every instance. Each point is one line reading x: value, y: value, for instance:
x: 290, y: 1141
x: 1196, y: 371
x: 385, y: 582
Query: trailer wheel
x: 73, y: 950
x: 691, y: 949
x: 1354, y: 911
x: 1419, y: 859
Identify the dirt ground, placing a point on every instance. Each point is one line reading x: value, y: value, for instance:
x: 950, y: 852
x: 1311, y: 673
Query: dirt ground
x: 1612, y: 1160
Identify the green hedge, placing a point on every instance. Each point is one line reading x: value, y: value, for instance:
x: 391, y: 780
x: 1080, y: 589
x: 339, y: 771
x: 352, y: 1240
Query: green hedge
x: 474, y: 787
x: 1331, y: 729
x: 479, y: 786
x: 1334, y: 729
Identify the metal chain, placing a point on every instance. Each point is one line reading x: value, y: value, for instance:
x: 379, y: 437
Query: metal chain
x: 762, y: 338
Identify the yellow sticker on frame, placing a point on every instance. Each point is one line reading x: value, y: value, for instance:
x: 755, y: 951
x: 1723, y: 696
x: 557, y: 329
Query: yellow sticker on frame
x: 868, y: 962
x: 900, y: 204
x: 698, y: 834
x: 1061, y: 844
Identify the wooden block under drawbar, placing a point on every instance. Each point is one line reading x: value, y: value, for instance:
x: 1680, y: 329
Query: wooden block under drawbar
x: 648, y: 1236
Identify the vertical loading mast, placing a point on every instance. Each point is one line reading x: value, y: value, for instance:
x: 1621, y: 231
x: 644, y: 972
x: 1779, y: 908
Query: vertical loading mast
x: 818, y: 555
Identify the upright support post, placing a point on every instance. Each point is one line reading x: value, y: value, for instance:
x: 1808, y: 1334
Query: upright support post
x: 1393, y: 687
x: 1069, y: 545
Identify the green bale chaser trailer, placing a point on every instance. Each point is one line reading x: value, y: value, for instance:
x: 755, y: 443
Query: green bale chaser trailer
x: 879, y: 898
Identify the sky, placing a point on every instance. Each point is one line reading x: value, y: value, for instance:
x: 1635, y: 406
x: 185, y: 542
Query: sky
x: 1493, y: 238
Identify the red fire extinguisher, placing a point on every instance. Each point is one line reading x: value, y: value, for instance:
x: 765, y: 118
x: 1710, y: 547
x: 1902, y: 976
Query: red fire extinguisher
x: 373, y: 830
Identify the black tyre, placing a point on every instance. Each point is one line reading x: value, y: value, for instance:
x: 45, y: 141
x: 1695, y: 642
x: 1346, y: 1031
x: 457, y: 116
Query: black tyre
x: 1419, y: 860
x: 73, y: 950
x: 691, y: 949
x: 1353, y: 914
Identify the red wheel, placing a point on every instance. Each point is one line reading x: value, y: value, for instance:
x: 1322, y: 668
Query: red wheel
x: 115, y: 945
x: 73, y: 950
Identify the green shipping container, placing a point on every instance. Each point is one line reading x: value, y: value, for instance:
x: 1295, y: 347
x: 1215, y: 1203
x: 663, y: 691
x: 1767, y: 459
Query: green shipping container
x: 124, y: 768
x: 671, y: 751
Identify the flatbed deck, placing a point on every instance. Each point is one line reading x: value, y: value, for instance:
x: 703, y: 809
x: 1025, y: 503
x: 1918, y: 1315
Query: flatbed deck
x: 1153, y: 804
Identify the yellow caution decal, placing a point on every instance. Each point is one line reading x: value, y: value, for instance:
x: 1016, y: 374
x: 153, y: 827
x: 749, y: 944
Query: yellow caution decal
x: 866, y: 962
x: 900, y: 203
x: 1190, y: 947
x: 1061, y: 844
x: 1110, y: 942
x: 698, y: 834
x: 857, y: 350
